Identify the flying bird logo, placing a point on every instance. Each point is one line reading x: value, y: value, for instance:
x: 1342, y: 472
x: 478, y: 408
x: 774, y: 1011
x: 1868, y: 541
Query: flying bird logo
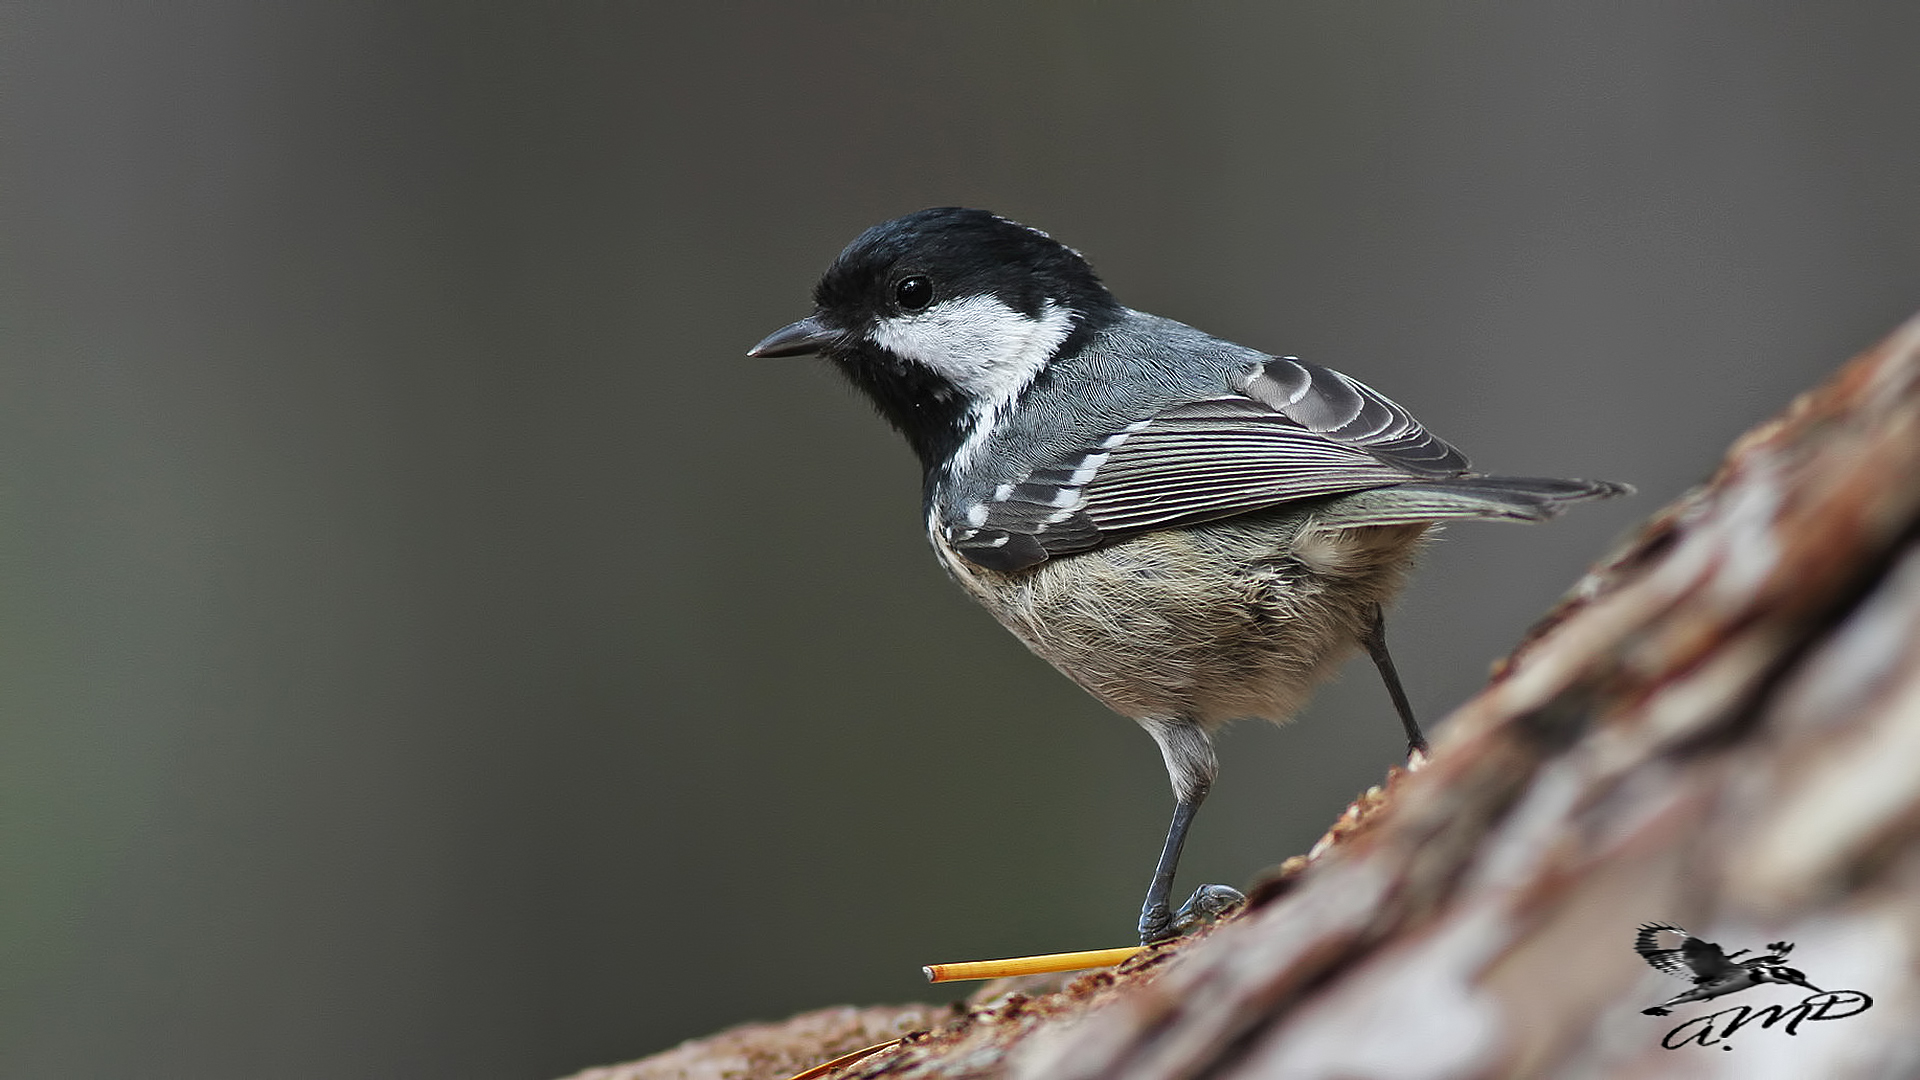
x: 1712, y: 970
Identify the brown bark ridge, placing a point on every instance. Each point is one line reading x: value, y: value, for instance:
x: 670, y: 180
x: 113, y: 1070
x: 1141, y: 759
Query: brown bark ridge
x: 753, y: 1051
x: 1719, y: 728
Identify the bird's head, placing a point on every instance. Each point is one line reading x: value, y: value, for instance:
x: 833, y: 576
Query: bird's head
x: 1780, y: 973
x: 946, y: 313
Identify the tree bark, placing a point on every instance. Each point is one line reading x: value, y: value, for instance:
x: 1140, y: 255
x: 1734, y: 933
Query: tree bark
x: 1719, y: 729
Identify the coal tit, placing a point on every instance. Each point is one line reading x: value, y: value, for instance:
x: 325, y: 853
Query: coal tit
x: 1192, y: 530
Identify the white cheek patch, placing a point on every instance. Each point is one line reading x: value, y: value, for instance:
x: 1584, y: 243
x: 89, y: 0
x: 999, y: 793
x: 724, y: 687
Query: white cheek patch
x: 987, y: 349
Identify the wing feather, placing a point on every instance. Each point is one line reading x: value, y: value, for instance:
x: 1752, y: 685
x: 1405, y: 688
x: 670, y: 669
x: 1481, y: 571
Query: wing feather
x: 1293, y: 430
x: 1694, y: 959
x: 1646, y: 942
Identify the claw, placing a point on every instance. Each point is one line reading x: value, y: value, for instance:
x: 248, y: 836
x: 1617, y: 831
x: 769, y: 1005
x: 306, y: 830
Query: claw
x: 1207, y: 903
x: 1156, y: 925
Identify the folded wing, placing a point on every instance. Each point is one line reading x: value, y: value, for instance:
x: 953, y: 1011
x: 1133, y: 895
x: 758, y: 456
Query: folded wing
x: 1293, y: 430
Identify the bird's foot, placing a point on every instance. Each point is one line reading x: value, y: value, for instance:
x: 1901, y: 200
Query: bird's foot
x: 1207, y: 903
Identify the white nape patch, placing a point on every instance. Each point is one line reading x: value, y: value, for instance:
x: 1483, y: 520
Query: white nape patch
x: 979, y: 344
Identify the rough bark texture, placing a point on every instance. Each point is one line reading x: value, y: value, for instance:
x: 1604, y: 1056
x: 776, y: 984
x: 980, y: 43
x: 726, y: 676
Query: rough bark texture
x: 1719, y: 728
x: 783, y: 1049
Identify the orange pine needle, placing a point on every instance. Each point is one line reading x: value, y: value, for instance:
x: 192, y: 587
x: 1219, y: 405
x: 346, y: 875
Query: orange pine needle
x: 1028, y: 965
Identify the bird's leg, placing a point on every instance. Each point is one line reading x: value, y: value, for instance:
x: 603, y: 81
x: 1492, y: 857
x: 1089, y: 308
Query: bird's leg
x: 1375, y: 640
x: 1156, y: 916
x: 1191, y: 766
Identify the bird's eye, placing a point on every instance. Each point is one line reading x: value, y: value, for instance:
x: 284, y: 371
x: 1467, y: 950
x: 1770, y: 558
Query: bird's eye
x: 914, y: 293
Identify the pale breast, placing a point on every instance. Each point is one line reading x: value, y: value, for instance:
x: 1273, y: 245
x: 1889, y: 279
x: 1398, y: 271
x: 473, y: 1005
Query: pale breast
x: 1230, y: 619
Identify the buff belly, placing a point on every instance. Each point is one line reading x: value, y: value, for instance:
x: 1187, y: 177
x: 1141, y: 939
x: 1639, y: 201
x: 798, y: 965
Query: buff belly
x: 1204, y: 624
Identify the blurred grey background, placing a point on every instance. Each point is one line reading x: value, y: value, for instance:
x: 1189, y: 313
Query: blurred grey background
x: 429, y: 647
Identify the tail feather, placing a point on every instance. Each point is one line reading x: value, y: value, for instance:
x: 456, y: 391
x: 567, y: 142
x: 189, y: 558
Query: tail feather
x: 1513, y: 498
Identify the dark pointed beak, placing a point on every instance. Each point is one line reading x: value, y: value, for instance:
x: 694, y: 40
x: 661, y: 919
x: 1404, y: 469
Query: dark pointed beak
x: 809, y: 335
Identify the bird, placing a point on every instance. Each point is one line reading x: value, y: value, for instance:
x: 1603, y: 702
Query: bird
x: 1712, y: 970
x: 1194, y: 531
